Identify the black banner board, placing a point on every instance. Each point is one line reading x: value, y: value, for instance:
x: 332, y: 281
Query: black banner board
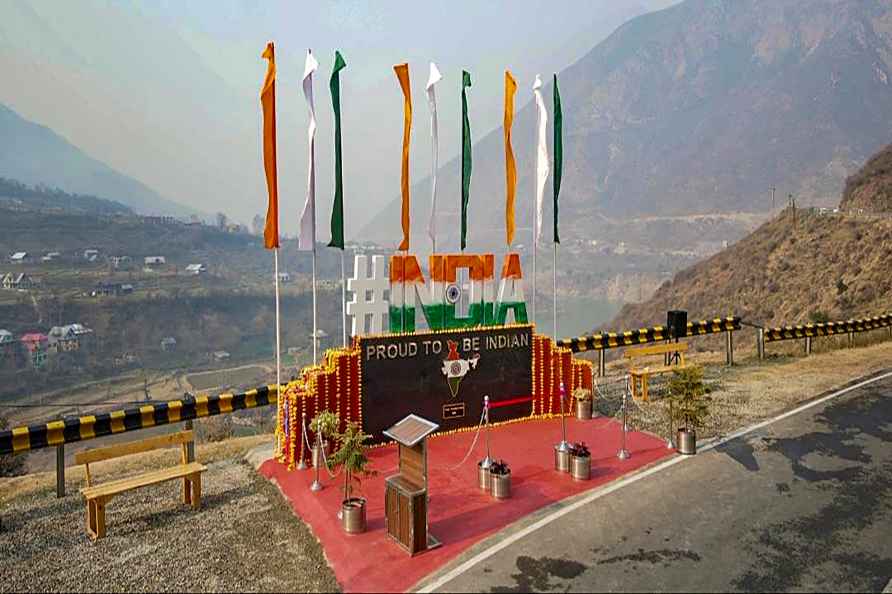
x: 443, y: 376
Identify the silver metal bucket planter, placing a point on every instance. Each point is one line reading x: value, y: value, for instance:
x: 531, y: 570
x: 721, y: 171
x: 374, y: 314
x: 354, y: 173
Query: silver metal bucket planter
x: 353, y: 517
x: 484, y: 477
x: 561, y: 460
x: 581, y: 468
x: 317, y: 455
x: 501, y: 485
x: 687, y: 442
x: 584, y: 410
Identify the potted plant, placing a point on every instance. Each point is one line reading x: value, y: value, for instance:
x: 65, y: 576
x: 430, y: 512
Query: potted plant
x: 350, y: 457
x: 583, y: 399
x: 580, y: 462
x: 688, y: 406
x: 500, y: 479
x: 325, y: 425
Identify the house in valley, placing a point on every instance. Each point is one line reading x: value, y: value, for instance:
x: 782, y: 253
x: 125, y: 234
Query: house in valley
x: 36, y: 345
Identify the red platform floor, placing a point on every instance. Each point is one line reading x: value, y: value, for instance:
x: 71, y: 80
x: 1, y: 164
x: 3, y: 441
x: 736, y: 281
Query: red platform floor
x: 460, y: 515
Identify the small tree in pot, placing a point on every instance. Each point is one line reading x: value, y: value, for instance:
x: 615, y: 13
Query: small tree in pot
x: 500, y: 479
x: 688, y: 406
x: 583, y: 399
x: 580, y: 461
x: 350, y: 457
x: 325, y: 425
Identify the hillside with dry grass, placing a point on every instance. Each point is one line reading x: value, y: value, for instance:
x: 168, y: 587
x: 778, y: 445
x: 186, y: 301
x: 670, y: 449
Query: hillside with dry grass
x: 804, y: 265
x: 870, y: 190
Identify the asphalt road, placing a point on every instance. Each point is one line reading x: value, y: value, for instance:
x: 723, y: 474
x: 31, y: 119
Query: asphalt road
x: 804, y: 504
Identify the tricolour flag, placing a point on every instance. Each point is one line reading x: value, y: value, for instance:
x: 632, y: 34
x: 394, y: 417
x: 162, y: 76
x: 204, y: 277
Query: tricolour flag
x: 541, y: 154
x: 402, y: 74
x: 307, y: 239
x: 432, y: 80
x: 558, y: 154
x: 510, y: 166
x: 337, y: 207
x: 466, y: 164
x: 268, y: 104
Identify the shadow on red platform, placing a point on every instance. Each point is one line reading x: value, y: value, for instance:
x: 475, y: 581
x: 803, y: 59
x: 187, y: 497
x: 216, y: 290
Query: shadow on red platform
x: 460, y: 514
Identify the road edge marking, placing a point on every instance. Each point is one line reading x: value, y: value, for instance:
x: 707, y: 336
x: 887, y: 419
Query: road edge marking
x: 634, y: 478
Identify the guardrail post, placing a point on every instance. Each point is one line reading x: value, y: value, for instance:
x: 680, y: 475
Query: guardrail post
x: 60, y: 471
x: 808, y: 345
x: 602, y: 363
x: 760, y: 343
x: 190, y: 447
x: 729, y: 348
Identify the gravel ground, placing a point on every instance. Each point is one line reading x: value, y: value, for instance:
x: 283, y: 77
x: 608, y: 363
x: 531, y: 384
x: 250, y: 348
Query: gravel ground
x: 245, y: 538
x: 750, y: 391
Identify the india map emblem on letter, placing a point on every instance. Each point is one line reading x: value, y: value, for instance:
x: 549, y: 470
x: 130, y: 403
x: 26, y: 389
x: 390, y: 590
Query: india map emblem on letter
x: 455, y: 368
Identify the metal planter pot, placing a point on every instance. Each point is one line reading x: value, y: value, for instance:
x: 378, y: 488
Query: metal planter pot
x: 501, y: 485
x: 317, y: 454
x: 484, y: 478
x: 353, y: 515
x: 581, y: 468
x: 584, y: 410
x: 561, y: 460
x: 687, y: 441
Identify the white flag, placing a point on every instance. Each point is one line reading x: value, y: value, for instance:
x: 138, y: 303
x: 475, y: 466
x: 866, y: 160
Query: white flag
x: 307, y: 238
x: 541, y: 154
x: 435, y: 77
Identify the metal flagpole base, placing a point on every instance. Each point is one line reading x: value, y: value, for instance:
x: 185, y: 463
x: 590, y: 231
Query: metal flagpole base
x: 302, y: 465
x: 316, y: 486
x: 623, y: 455
x: 670, y: 445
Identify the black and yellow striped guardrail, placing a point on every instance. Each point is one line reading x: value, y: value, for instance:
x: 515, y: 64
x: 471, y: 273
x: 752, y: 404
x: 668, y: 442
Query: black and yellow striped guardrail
x: 59, y: 432
x: 610, y: 340
x: 827, y: 328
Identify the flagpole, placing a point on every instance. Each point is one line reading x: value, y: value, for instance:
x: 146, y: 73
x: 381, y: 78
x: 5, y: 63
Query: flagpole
x: 535, y: 249
x: 278, y: 335
x: 315, y: 319
x: 343, y: 300
x: 554, y: 289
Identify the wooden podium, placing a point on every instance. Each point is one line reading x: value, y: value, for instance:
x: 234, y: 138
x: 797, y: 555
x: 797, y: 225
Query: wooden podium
x: 405, y: 497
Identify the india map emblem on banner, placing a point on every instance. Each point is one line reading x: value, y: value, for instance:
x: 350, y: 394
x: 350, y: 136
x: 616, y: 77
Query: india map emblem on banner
x: 456, y: 368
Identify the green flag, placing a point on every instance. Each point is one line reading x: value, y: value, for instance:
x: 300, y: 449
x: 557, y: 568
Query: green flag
x: 465, y: 157
x: 558, y: 154
x: 337, y: 208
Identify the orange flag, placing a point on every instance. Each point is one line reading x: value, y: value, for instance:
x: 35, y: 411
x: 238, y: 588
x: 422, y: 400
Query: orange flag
x: 510, y: 167
x: 268, y: 102
x: 402, y: 73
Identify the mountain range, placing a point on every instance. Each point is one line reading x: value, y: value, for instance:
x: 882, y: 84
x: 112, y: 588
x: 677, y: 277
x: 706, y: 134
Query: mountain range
x: 35, y: 155
x: 803, y: 265
x: 697, y: 108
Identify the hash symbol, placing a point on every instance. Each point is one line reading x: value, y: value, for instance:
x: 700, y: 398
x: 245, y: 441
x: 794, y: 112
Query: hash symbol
x: 369, y: 303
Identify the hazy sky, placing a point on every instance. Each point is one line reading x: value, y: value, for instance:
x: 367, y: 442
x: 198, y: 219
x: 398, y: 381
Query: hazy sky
x: 167, y: 91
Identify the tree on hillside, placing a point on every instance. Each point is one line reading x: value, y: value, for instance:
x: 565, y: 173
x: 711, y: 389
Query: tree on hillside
x: 257, y: 224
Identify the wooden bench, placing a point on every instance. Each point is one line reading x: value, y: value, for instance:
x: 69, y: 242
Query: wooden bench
x: 639, y: 375
x: 98, y: 496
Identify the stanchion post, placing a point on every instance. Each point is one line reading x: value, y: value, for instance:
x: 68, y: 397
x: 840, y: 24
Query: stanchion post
x: 623, y: 453
x: 301, y: 464
x: 60, y: 470
x: 602, y: 363
x: 851, y: 340
x: 760, y: 343
x: 807, y: 346
x: 486, y: 462
x: 317, y: 486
